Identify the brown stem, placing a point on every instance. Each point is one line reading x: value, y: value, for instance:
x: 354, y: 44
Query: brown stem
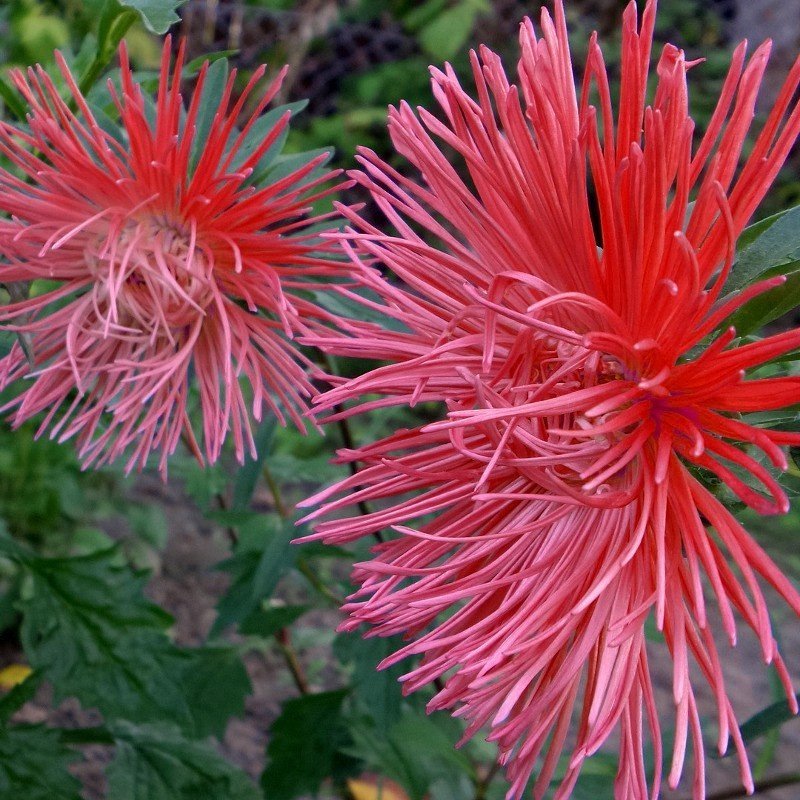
x: 482, y: 786
x: 283, y: 638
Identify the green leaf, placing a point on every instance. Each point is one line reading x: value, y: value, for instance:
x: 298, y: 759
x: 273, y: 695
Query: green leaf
x: 215, y: 685
x: 305, y: 746
x: 259, y: 132
x: 247, y: 475
x: 770, y: 305
x: 262, y: 556
x: 154, y: 762
x: 12, y: 701
x: 776, y: 243
x: 445, y: 35
x: 377, y: 690
x: 773, y: 716
x: 88, y: 629
x: 33, y: 765
x: 157, y: 15
x: 285, y: 165
x: 216, y: 78
x: 416, y: 752
x: 267, y: 621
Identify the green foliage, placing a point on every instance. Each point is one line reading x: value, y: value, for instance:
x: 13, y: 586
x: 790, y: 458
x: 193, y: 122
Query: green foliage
x: 265, y: 622
x: 157, y: 15
x: 88, y: 629
x: 772, y: 243
x: 764, y: 721
x: 416, y: 751
x: 306, y: 746
x: 155, y: 762
x: 378, y: 692
x: 262, y: 555
x: 33, y: 765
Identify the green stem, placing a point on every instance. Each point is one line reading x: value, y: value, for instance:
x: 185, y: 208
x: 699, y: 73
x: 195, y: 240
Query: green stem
x: 312, y: 577
x: 275, y: 491
x: 106, y: 52
x: 283, y: 636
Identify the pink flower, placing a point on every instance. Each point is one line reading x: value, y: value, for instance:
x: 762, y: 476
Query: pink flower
x: 165, y: 261
x: 557, y: 506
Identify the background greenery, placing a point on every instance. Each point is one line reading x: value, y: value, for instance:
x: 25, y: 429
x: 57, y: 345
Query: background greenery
x: 100, y: 679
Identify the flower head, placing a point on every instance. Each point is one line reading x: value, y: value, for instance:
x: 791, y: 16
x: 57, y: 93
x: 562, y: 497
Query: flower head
x: 163, y: 253
x: 559, y: 296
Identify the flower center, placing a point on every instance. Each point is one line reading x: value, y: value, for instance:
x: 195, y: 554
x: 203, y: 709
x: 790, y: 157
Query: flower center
x: 152, y: 275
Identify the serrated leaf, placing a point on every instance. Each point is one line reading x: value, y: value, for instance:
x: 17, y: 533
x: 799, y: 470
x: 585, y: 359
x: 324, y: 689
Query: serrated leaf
x: 154, y: 762
x: 33, y: 765
x: 262, y: 556
x: 267, y: 621
x: 89, y: 630
x: 215, y: 685
x: 773, y: 716
x: 305, y: 746
x: 416, y: 751
x: 378, y: 690
x: 157, y: 15
x: 777, y: 243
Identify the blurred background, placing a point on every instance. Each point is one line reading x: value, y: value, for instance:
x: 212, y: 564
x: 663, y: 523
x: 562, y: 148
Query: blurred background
x: 349, y: 59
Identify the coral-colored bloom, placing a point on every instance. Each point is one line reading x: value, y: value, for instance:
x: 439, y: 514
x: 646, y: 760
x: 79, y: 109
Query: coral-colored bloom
x: 557, y: 506
x: 173, y: 261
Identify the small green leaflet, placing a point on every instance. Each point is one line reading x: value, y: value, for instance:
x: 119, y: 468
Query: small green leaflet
x: 305, y: 746
x: 262, y: 556
x: 154, y: 762
x: 215, y: 684
x: 33, y: 765
x: 247, y: 476
x: 157, y: 15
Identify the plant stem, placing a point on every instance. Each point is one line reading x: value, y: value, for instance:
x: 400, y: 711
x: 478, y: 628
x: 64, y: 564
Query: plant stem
x: 275, y: 491
x: 305, y: 569
x: 482, y: 786
x: 283, y: 636
x: 345, y: 431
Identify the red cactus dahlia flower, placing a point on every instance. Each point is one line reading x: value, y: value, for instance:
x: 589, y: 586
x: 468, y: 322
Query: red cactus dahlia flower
x: 172, y: 257
x: 558, y: 504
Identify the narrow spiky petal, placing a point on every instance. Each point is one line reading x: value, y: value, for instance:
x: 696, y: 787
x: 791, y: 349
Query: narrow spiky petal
x: 555, y: 506
x: 155, y: 263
